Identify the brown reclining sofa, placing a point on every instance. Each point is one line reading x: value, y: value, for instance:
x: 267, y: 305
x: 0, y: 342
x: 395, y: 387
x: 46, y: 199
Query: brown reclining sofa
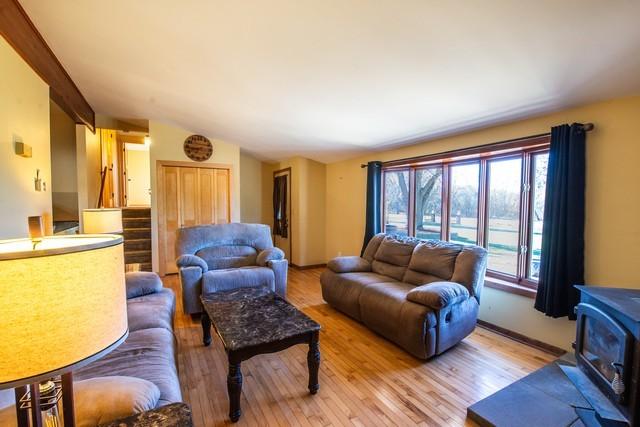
x: 422, y: 295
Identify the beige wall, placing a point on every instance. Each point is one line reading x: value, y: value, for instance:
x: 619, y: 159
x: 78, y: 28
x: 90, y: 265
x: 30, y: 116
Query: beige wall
x: 24, y: 114
x: 250, y: 189
x: 613, y: 203
x: 308, y: 193
x: 166, y: 144
x: 64, y: 179
x: 88, y: 161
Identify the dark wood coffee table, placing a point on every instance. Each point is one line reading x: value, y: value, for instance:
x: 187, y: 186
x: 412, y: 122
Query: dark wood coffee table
x: 252, y: 321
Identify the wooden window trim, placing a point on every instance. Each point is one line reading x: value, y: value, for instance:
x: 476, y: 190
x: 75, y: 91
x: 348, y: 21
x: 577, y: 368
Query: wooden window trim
x: 525, y: 149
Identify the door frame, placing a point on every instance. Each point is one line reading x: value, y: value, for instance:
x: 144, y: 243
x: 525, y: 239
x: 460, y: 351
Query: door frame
x: 160, y: 164
x: 288, y: 172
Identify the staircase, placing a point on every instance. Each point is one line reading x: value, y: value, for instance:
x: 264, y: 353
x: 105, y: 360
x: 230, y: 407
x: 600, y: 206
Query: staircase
x: 136, y: 224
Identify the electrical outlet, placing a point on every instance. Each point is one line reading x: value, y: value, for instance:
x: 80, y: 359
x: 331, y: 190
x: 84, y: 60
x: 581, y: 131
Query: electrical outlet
x: 339, y: 253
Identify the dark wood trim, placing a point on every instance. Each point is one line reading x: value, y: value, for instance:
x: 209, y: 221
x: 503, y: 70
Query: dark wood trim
x: 67, y: 400
x: 289, y: 173
x: 306, y: 267
x: 531, y: 342
x: 473, y: 152
x: 513, y: 288
x: 20, y: 32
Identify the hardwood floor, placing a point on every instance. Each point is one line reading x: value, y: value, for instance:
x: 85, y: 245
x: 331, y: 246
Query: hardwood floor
x: 364, y: 379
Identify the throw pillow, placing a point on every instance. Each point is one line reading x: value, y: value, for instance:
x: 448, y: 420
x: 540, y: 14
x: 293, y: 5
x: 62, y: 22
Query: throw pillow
x: 97, y: 400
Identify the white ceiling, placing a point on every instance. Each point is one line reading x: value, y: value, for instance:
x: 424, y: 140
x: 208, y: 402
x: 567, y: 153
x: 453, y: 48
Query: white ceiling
x: 332, y: 78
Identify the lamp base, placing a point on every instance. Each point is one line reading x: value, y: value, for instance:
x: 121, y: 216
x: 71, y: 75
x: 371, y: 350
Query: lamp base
x: 28, y: 410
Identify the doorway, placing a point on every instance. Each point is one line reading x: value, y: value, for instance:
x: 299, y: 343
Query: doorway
x: 282, y: 234
x: 138, y: 175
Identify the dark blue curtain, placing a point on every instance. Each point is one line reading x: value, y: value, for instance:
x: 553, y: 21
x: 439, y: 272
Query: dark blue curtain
x: 374, y: 202
x: 562, y: 259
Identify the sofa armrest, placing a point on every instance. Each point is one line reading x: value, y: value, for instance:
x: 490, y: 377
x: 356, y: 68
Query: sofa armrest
x: 192, y: 261
x: 349, y: 264
x: 280, y: 268
x: 438, y: 295
x: 269, y: 254
x: 140, y: 283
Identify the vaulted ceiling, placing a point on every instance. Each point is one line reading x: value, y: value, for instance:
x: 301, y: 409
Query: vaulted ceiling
x: 329, y: 79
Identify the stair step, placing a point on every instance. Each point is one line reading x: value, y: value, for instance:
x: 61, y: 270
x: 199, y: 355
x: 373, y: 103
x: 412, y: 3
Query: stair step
x: 137, y: 245
x: 137, y: 233
x: 136, y: 212
x: 136, y: 222
x: 145, y: 266
x: 131, y: 257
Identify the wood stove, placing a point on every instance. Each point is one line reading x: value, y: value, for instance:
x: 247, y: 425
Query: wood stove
x: 607, y: 351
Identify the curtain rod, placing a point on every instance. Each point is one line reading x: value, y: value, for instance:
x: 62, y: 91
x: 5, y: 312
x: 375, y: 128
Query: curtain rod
x: 587, y: 127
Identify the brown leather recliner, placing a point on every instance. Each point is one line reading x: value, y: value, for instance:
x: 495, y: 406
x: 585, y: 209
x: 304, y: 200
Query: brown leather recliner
x: 422, y: 295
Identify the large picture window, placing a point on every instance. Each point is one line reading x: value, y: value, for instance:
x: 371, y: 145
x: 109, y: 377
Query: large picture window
x: 494, y: 199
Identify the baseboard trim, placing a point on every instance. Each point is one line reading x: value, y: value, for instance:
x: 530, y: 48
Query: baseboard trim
x: 307, y: 267
x: 547, y: 348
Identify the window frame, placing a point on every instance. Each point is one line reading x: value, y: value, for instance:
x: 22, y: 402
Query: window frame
x: 526, y: 151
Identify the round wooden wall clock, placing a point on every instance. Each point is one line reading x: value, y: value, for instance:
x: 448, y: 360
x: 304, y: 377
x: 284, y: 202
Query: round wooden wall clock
x: 198, y: 148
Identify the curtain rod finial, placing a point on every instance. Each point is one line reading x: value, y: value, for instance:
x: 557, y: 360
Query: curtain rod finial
x: 587, y: 127
x: 364, y: 165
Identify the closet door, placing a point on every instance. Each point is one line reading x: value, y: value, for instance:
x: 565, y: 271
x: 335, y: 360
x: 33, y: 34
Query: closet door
x: 207, y: 196
x: 222, y: 197
x: 189, y: 195
x: 169, y: 217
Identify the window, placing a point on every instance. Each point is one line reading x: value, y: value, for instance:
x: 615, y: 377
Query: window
x: 492, y: 197
x: 539, y: 178
x: 396, y: 202
x: 503, y: 214
x: 428, y: 224
x: 463, y: 204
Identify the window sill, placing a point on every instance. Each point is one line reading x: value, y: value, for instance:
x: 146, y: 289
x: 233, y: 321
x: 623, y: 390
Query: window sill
x: 512, y: 288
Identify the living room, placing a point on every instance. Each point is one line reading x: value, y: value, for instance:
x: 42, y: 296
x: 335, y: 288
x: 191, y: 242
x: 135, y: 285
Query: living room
x: 319, y: 214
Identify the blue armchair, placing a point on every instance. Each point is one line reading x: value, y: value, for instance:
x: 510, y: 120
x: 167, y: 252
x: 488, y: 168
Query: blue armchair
x: 227, y: 256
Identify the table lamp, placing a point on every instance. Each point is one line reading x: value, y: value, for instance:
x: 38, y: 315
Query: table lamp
x: 63, y: 305
x: 98, y: 221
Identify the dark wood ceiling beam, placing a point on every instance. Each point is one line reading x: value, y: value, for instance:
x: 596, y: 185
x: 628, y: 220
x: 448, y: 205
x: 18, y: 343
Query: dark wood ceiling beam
x: 24, y: 37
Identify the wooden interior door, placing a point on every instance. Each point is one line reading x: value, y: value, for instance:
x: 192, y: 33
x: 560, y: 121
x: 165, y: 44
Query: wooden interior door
x: 169, y: 217
x: 207, y: 196
x: 222, y: 204
x: 189, y: 196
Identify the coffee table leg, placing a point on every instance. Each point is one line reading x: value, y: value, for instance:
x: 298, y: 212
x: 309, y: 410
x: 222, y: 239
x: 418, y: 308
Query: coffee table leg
x: 313, y: 361
x: 206, y: 329
x: 234, y: 389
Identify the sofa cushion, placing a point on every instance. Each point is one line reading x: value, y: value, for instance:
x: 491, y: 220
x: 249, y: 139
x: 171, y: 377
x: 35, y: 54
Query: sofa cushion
x: 349, y: 264
x: 436, y: 258
x: 471, y: 266
x: 416, y: 278
x: 393, y: 256
x: 228, y: 256
x: 395, y: 251
x: 385, y: 309
x: 97, y: 400
x: 148, y: 354
x: 342, y: 290
x: 438, y: 294
x: 140, y: 283
x: 372, y: 246
x: 104, y: 399
x: 246, y: 277
x: 152, y: 311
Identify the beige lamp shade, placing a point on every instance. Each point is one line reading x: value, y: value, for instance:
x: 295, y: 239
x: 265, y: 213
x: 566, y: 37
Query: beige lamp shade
x: 62, y: 305
x: 97, y: 221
